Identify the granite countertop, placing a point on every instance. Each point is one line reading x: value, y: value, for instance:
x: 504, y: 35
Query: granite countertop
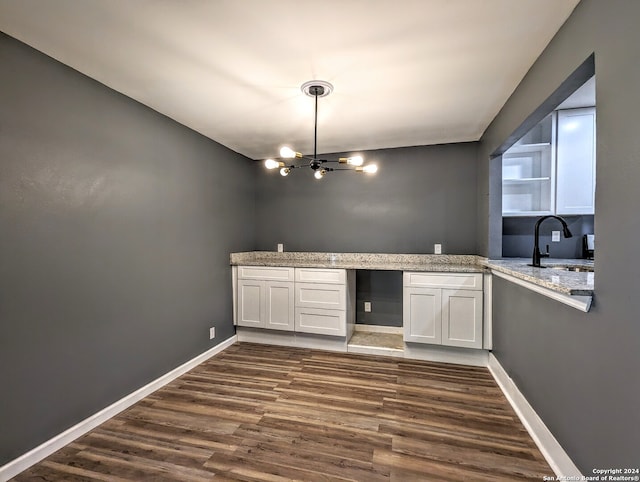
x: 566, y: 282
x: 373, y: 261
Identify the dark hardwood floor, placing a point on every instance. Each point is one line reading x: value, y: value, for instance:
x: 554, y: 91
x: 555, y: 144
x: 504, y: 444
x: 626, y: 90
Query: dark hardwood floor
x: 266, y: 413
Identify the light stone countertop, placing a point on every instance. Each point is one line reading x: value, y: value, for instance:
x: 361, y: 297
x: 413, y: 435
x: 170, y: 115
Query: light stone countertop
x: 371, y: 261
x: 564, y: 282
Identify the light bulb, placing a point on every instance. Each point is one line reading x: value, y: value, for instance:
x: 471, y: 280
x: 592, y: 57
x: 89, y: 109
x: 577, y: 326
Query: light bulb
x: 319, y: 174
x: 271, y: 164
x: 287, y: 153
x: 369, y: 169
x: 353, y: 161
x: 285, y: 171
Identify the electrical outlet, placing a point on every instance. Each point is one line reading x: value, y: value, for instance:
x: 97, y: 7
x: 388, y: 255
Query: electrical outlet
x: 555, y: 236
x: 280, y: 248
x: 437, y: 248
x: 367, y: 306
x: 212, y: 333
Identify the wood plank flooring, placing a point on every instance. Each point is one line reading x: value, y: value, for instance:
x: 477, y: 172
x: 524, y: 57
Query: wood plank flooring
x: 267, y: 413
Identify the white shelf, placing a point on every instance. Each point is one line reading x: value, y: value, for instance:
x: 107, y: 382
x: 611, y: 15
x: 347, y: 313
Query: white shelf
x: 519, y: 148
x: 526, y: 179
x: 528, y: 172
x: 514, y: 214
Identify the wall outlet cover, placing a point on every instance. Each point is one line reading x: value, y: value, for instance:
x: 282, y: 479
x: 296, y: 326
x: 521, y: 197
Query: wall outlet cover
x: 437, y: 248
x: 280, y: 248
x: 212, y: 332
x: 555, y: 236
x: 367, y: 306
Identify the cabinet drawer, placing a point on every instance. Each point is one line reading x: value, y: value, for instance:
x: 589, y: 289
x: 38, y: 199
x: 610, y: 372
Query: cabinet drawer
x: 321, y: 322
x: 320, y: 295
x: 265, y: 273
x: 320, y: 275
x: 467, y: 281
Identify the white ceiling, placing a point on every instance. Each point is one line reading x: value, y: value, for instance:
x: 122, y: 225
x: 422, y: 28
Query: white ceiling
x: 405, y: 72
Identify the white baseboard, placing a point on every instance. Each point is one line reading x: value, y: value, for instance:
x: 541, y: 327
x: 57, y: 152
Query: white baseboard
x: 446, y: 354
x: 552, y: 451
x: 395, y: 330
x: 13, y: 468
x: 292, y: 339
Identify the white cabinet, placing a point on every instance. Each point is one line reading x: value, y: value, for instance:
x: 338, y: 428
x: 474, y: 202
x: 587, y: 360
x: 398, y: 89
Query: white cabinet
x: 576, y: 161
x: 443, y: 308
x: 551, y: 170
x: 304, y: 300
x: 266, y: 298
x: 321, y: 301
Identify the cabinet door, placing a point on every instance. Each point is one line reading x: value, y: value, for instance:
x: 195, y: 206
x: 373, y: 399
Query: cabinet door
x: 462, y: 318
x: 278, y: 305
x: 576, y: 161
x: 251, y: 303
x: 422, y: 316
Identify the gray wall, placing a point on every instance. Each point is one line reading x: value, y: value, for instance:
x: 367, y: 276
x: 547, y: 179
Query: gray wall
x: 518, y: 239
x: 420, y: 196
x: 116, y: 225
x: 580, y: 371
x: 384, y: 290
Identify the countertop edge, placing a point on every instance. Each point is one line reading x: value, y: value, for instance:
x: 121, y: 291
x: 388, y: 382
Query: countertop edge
x: 557, y: 287
x: 579, y: 302
x: 435, y: 267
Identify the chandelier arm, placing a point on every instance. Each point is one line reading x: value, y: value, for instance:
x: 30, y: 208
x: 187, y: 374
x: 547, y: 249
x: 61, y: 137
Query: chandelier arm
x: 308, y: 158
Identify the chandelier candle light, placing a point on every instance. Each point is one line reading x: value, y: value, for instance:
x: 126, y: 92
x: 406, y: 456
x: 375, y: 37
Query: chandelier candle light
x: 317, y: 88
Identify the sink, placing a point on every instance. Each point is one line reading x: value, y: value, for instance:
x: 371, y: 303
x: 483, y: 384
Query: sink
x: 578, y: 268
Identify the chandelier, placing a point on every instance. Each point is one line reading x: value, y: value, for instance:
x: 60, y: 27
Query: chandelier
x: 290, y: 159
